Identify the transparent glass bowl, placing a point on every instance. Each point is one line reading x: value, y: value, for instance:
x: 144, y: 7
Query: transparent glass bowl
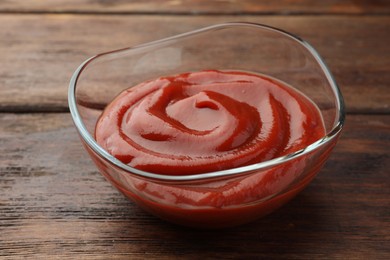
x: 223, y: 198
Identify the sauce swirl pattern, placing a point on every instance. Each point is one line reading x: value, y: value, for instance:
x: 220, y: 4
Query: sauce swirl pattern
x: 206, y: 121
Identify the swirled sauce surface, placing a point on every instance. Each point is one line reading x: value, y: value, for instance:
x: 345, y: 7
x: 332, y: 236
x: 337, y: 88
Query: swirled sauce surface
x: 207, y: 121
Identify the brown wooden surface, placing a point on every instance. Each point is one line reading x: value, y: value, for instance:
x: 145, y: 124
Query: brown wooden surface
x: 40, y: 52
x: 200, y: 6
x: 55, y: 205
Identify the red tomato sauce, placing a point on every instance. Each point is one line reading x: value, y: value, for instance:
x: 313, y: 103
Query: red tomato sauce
x: 199, y: 122
x: 207, y: 121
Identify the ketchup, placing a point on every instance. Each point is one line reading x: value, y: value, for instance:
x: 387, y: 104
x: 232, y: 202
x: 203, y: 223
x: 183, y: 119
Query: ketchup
x: 207, y: 121
x: 200, y: 122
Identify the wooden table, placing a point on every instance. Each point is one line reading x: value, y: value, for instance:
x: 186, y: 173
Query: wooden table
x: 54, y: 203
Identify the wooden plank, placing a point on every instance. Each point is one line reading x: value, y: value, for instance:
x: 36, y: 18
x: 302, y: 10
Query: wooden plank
x: 40, y: 52
x: 200, y: 6
x: 54, y: 204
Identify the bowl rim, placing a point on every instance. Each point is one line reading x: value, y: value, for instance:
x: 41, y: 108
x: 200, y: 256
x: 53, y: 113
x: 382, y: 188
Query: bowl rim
x: 90, y: 141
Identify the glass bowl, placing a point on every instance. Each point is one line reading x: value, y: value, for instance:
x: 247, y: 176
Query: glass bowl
x: 227, y: 197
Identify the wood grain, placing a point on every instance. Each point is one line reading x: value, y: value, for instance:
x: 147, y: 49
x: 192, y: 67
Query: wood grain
x: 40, y: 52
x: 200, y: 6
x: 54, y: 204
